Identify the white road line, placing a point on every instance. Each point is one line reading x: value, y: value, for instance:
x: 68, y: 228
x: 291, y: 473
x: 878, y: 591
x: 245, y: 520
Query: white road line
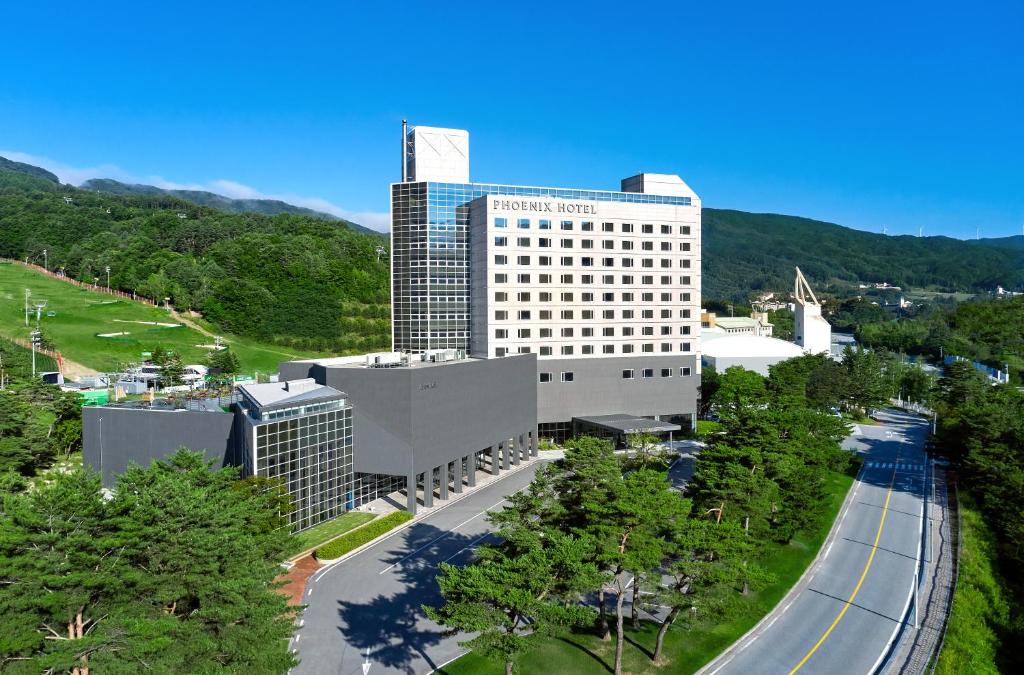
x: 727, y: 662
x: 828, y: 550
x: 297, y: 638
x: 783, y: 610
x: 771, y: 622
x: 434, y: 541
x: 468, y: 546
x: 309, y: 592
x: 302, y: 622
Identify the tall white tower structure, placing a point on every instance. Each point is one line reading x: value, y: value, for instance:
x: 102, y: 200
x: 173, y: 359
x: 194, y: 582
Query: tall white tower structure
x: 813, y: 333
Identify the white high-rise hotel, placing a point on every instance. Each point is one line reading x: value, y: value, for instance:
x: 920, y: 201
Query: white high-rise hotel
x: 603, y: 286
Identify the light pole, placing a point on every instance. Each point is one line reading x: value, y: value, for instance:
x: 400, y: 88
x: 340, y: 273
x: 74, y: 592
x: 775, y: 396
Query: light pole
x: 46, y: 261
x: 34, y: 339
x: 107, y: 268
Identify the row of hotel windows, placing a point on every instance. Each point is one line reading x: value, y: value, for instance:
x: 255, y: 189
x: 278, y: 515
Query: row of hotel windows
x: 587, y: 331
x: 570, y: 376
x: 607, y: 244
x: 588, y: 226
x: 587, y: 261
x: 587, y: 314
x: 569, y: 296
x: 586, y: 350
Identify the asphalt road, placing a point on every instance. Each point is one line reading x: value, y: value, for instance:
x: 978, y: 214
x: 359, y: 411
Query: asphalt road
x: 373, y: 601
x: 842, y: 616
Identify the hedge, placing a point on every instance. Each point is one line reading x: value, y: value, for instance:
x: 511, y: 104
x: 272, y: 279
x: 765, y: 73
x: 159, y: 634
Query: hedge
x: 349, y: 542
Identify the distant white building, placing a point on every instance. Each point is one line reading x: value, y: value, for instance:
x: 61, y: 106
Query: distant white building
x: 811, y: 331
x: 754, y: 352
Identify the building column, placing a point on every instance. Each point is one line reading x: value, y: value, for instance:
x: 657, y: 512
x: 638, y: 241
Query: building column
x: 471, y: 469
x: 535, y: 442
x: 428, y: 488
x: 410, y: 492
x: 457, y: 475
x: 517, y: 450
x: 444, y: 474
x: 506, y: 451
x: 494, y: 460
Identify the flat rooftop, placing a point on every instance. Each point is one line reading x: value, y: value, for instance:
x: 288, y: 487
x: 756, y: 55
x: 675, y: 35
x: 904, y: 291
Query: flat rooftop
x: 390, y: 360
x: 292, y: 391
x: 627, y: 424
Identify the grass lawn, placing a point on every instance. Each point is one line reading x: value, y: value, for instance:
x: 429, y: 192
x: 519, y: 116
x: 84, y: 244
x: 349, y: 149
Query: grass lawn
x: 324, y: 532
x: 83, y: 315
x: 686, y: 649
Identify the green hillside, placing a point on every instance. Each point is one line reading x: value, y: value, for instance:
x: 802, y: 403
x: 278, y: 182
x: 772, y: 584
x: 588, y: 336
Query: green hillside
x: 745, y: 252
x: 266, y: 207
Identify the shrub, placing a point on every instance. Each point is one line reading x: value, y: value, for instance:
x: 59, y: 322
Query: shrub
x: 349, y: 542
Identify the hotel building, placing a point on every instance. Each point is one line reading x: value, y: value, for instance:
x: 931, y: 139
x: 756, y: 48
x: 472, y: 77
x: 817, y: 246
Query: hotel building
x: 603, y: 286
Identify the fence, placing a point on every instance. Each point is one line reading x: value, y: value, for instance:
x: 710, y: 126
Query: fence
x: 53, y: 354
x: 81, y: 284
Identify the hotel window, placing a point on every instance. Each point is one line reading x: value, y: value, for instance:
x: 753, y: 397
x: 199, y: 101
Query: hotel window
x: 545, y: 278
x: 627, y: 314
x: 545, y: 351
x: 627, y: 246
x: 566, y: 260
x: 523, y: 241
x: 666, y: 372
x: 627, y: 374
x: 648, y: 372
x: 587, y: 278
x: 567, y: 332
x: 587, y: 349
x: 608, y: 297
x: 567, y: 243
x: 647, y: 245
x: 608, y: 262
x: 684, y: 246
x: 545, y: 315
x: 567, y: 376
x: 684, y: 346
x: 501, y: 241
x: 545, y: 224
x: 567, y: 314
x: 608, y: 279
x: 567, y: 350
x: 545, y: 377
x: 665, y: 262
x: 500, y: 222
x: 666, y: 314
x: 648, y: 348
x: 647, y: 330
x: 647, y: 229
x: 501, y: 278
x: 567, y: 297
x: 500, y: 259
x: 523, y: 296
x: 524, y: 333
x: 607, y: 227
x: 607, y: 244
x: 684, y: 371
x: 627, y: 228
x: 666, y: 297
x: 608, y: 331
x: 666, y: 281
x: 627, y: 331
x: 524, y: 350
x: 501, y: 333
x: 684, y: 297
x: 588, y: 297
x: 666, y: 246
x: 567, y: 225
x: 666, y: 330
x: 501, y: 296
x: 523, y: 260
x: 685, y: 263
x: 523, y: 223
x: 544, y: 259
x: 647, y: 314
x: 545, y: 297
x: 587, y: 332
x: 684, y: 314
x: 607, y: 349
x: 587, y: 314
x: 666, y: 229
x: 627, y: 262
x: 545, y: 332
x: 500, y: 315
x: 586, y: 243
x: 685, y: 330
x: 647, y: 262
x: 684, y: 229
x: 587, y: 261
x: 523, y: 278
x: 627, y: 349
x: 608, y: 314
x: 666, y: 346
x: 524, y: 315
x: 627, y: 279
x: 587, y: 226
x: 500, y: 351
x: 647, y: 279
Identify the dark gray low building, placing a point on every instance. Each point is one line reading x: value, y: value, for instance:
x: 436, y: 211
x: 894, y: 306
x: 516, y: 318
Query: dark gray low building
x: 434, y: 419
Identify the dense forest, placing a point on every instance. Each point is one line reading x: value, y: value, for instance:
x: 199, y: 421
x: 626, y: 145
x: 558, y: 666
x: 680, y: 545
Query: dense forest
x: 295, y: 280
x: 746, y: 252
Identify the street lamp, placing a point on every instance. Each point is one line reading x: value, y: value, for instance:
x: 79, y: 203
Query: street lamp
x: 107, y: 268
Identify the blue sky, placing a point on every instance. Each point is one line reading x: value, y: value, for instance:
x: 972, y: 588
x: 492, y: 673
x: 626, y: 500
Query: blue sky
x: 896, y: 114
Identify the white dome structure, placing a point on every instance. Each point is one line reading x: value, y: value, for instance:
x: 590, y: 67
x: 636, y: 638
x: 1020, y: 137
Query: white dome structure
x: 753, y: 352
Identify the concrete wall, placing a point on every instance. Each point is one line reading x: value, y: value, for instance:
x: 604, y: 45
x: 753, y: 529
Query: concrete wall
x: 410, y: 420
x: 112, y: 438
x: 599, y: 389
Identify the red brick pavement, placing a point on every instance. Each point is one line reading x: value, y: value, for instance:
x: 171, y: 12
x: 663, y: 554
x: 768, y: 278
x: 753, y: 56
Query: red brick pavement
x: 297, y: 577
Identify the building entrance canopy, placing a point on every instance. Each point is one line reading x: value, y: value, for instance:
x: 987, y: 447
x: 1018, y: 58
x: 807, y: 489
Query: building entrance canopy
x: 625, y: 424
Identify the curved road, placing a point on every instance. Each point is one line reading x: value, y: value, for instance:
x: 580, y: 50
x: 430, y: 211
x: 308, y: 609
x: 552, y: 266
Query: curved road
x: 842, y: 616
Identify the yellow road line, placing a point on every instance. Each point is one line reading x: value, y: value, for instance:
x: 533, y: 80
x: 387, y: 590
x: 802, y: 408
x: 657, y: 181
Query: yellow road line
x: 856, y: 589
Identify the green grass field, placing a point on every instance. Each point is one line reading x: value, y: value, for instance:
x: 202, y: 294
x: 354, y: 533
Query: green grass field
x: 686, y: 649
x: 335, y: 527
x: 82, y: 315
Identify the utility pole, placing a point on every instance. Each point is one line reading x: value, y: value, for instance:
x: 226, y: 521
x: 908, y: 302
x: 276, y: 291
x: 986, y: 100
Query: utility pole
x: 108, y: 277
x: 46, y: 262
x: 28, y: 293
